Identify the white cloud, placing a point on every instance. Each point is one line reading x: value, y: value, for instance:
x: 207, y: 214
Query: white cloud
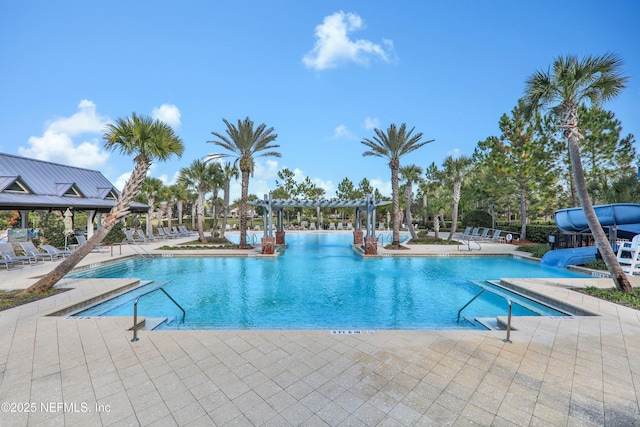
x: 169, y: 114
x: 267, y: 169
x: 382, y: 185
x: 57, y: 142
x: 341, y: 132
x: 122, y: 180
x: 455, y: 153
x: 371, y: 123
x: 333, y: 46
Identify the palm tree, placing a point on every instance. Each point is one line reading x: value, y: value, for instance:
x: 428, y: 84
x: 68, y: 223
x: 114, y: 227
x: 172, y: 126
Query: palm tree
x: 244, y: 143
x: 170, y: 194
x: 148, y: 140
x: 411, y: 174
x: 229, y: 171
x: 151, y: 189
x: 570, y: 83
x: 454, y: 171
x: 392, y: 146
x: 198, y: 176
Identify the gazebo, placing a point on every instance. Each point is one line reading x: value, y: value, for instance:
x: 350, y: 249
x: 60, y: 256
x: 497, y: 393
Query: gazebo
x: 35, y: 185
x: 366, y: 206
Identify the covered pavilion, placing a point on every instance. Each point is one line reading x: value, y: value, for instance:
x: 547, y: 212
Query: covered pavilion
x: 366, y: 207
x: 34, y: 185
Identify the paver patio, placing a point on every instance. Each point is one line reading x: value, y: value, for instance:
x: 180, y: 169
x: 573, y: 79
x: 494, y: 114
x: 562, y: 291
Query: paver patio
x: 580, y: 371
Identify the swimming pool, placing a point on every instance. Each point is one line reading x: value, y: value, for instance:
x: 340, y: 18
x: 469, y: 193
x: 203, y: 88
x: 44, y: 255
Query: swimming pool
x: 319, y: 283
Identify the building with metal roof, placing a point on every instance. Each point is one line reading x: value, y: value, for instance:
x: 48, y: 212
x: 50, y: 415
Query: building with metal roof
x: 35, y: 185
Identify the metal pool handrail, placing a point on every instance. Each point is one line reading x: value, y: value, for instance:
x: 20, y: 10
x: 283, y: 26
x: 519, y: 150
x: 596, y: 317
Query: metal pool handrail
x: 498, y: 293
x: 135, y: 309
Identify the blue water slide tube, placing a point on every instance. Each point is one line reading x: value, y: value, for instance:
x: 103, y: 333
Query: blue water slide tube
x: 565, y: 257
x: 619, y: 214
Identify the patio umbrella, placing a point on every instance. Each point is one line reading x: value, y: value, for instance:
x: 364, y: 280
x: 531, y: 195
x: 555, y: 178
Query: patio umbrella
x: 68, y: 222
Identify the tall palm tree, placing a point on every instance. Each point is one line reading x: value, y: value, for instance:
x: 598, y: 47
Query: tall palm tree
x: 454, y: 171
x: 229, y: 171
x: 199, y: 177
x: 568, y: 84
x: 244, y: 143
x: 148, y: 140
x: 151, y: 189
x: 392, y: 145
x: 411, y: 174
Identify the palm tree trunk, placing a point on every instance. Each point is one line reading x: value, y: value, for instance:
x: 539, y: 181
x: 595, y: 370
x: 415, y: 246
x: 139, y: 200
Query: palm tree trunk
x: 408, y: 191
x: 152, y: 201
x: 608, y: 256
x: 119, y: 211
x: 396, y: 203
x: 225, y: 209
x: 454, y: 213
x: 200, y: 205
x: 169, y: 213
x: 436, y: 226
x: 180, y: 207
x: 243, y: 207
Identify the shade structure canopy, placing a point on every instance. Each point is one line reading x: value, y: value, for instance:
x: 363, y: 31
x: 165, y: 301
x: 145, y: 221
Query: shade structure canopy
x: 30, y: 184
x: 366, y: 205
x: 318, y: 203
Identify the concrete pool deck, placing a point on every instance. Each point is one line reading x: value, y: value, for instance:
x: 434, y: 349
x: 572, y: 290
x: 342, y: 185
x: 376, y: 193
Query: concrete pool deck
x: 85, y: 371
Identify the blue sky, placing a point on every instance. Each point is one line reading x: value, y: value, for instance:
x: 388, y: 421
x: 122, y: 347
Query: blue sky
x: 322, y: 73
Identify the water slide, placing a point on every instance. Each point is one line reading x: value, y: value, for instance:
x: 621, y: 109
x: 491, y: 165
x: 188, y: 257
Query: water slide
x: 623, y: 217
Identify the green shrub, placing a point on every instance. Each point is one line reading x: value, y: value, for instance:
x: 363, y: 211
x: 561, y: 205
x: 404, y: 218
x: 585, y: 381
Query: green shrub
x: 535, y: 250
x: 52, y: 229
x: 116, y: 235
x: 596, y: 264
x: 477, y: 218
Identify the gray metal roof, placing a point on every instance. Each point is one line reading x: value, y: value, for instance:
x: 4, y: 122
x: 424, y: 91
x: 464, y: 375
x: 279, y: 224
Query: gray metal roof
x: 54, y: 186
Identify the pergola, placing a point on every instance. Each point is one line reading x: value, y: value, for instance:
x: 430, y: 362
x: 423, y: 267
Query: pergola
x: 366, y: 206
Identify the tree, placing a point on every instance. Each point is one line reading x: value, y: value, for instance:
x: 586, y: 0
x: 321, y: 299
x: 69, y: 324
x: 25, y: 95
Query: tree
x: 229, y: 171
x: 148, y: 140
x: 411, y: 174
x: 198, y: 176
x: 519, y: 159
x: 151, y: 189
x: 392, y: 145
x: 244, y: 143
x: 454, y: 172
x: 570, y: 83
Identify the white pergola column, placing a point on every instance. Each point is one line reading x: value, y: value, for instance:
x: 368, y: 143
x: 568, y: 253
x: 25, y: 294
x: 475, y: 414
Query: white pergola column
x: 90, y: 216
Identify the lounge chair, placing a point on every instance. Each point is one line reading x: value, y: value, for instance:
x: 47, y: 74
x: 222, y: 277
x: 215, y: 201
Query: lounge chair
x: 312, y: 226
x: 349, y: 226
x: 82, y: 240
x: 340, y: 226
x: 7, y: 252
x: 484, y: 236
x: 142, y: 236
x: 187, y: 232
x: 497, y: 238
x: 178, y: 232
x: 30, y: 249
x: 169, y: 233
x: 7, y: 262
x: 130, y: 239
x: 55, y: 252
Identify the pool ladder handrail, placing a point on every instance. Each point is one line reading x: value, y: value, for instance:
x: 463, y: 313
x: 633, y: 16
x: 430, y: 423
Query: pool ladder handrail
x: 133, y: 246
x: 498, y: 293
x: 135, y: 309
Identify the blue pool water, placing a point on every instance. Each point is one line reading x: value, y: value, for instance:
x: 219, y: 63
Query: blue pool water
x: 319, y: 283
